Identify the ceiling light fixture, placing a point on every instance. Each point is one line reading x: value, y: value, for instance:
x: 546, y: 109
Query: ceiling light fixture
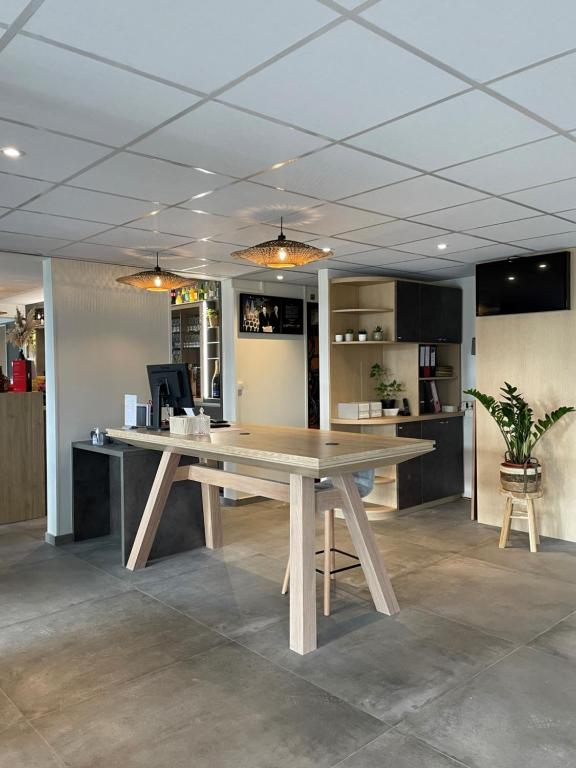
x: 281, y: 253
x: 203, y: 170
x: 12, y: 152
x: 543, y: 266
x: 202, y: 194
x: 154, y: 279
x: 441, y: 246
x: 279, y: 277
x: 511, y: 277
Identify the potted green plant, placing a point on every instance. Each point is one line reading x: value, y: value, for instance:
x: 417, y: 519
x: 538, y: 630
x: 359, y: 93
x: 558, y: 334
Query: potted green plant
x: 213, y: 317
x: 362, y: 335
x: 519, y: 471
x: 349, y: 334
x: 378, y: 334
x: 386, y: 387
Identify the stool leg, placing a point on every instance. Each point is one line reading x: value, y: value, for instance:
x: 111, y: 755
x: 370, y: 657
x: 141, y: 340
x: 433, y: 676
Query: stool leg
x: 286, y: 578
x: 328, y: 544
x: 505, y: 532
x: 331, y: 514
x: 532, y: 528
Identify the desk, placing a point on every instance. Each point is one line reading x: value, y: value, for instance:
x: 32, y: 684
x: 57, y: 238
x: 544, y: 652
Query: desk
x: 304, y: 454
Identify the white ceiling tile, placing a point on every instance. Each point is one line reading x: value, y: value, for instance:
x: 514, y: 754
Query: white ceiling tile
x: 331, y: 219
x: 11, y: 9
x: 420, y: 195
x: 46, y: 155
x: 148, y: 179
x: 449, y: 273
x: 53, y: 88
x: 28, y: 243
x: 343, y: 83
x: 551, y: 242
x: 555, y: 197
x: 547, y: 90
x: 93, y: 206
x: 126, y: 237
x: 105, y: 253
x: 257, y: 234
x: 252, y: 202
x: 422, y: 265
x: 570, y: 215
x: 339, y: 246
x: 199, y: 44
x: 482, y: 39
x: 335, y: 172
x: 524, y: 228
x: 207, y: 251
x: 178, y: 221
x: 47, y: 225
x: 547, y: 160
x: 396, y: 232
x: 376, y: 258
x: 490, y: 253
x: 228, y: 269
x: 15, y: 190
x: 454, y: 131
x: 479, y: 214
x: 455, y: 244
x: 226, y: 140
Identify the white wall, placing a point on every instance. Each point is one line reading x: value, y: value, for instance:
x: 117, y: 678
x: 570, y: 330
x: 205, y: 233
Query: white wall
x: 468, y: 361
x: 99, y: 337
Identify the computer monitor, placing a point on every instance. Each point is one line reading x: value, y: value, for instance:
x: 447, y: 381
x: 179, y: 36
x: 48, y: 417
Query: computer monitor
x: 170, y: 386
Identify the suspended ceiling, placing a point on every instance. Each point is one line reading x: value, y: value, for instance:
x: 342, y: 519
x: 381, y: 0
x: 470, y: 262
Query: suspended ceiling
x: 378, y: 129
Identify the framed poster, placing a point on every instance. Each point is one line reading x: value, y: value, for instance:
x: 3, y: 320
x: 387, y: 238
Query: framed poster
x: 270, y: 315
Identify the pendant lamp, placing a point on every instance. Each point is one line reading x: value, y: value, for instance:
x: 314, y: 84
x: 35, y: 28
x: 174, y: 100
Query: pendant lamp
x: 155, y: 279
x: 281, y: 253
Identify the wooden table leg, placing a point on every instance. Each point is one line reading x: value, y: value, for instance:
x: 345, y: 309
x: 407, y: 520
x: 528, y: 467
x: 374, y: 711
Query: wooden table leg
x: 532, y: 526
x: 374, y: 570
x: 153, y: 510
x: 212, y: 516
x: 302, y: 571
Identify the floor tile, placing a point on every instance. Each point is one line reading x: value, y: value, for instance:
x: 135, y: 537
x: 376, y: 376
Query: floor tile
x: 21, y: 747
x: 386, y: 666
x: 231, y: 598
x: 57, y: 660
x: 396, y: 750
x: 520, y: 712
x: 512, y: 605
x: 9, y: 714
x: 555, y: 559
x: 560, y: 639
x: 436, y: 533
x: 227, y: 708
x: 19, y: 549
x: 49, y: 586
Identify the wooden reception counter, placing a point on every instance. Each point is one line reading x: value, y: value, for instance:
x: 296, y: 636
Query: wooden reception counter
x: 22, y: 458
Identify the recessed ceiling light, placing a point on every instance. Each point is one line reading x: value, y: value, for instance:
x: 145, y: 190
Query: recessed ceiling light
x: 279, y: 277
x: 202, y: 194
x: 511, y: 277
x: 204, y: 239
x: 203, y: 170
x: 326, y: 250
x: 12, y: 152
x: 543, y: 266
x: 204, y: 212
x: 153, y: 213
x: 441, y: 246
x: 278, y: 165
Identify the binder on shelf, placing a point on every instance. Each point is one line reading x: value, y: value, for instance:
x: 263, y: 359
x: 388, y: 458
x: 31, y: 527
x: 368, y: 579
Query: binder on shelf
x: 433, y: 350
x: 435, y: 400
x: 426, y: 360
x: 421, y: 361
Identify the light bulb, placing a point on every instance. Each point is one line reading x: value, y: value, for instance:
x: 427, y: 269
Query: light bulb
x: 282, y: 254
x: 441, y: 246
x: 11, y: 152
x: 157, y: 282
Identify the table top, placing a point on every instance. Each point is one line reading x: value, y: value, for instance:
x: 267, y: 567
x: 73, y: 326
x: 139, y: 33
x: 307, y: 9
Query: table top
x: 308, y: 452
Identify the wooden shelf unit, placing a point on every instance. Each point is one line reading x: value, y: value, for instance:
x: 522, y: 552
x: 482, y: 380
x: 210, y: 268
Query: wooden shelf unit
x: 362, y: 303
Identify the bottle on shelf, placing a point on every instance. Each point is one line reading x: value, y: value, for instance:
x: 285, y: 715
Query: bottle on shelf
x: 215, y: 384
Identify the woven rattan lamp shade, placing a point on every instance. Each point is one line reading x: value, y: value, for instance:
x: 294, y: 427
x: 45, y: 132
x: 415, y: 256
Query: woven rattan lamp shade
x: 155, y: 280
x: 281, y: 253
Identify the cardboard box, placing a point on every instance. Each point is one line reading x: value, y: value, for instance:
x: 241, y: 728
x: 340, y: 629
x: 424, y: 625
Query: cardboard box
x: 353, y: 410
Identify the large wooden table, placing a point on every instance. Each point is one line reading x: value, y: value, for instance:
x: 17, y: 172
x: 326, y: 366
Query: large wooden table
x: 304, y: 454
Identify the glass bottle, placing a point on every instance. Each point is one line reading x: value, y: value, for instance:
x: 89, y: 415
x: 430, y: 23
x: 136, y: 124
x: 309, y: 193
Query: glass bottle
x: 215, y: 384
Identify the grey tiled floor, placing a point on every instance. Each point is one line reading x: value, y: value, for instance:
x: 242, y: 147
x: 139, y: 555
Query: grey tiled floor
x: 187, y: 663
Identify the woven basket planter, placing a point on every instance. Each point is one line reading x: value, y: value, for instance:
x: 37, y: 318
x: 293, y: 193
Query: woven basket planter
x: 521, y: 478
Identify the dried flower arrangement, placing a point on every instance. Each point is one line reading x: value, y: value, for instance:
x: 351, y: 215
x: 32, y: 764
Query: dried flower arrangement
x: 22, y: 335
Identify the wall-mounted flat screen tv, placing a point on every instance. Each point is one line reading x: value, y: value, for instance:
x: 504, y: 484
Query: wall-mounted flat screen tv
x: 523, y: 284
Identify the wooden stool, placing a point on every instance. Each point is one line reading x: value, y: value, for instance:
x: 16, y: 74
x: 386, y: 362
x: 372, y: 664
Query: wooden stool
x: 329, y: 571
x: 526, y: 501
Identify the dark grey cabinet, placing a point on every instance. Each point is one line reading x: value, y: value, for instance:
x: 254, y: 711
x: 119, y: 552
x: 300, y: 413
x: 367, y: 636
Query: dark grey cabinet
x: 428, y: 313
x: 437, y: 474
x: 407, y: 311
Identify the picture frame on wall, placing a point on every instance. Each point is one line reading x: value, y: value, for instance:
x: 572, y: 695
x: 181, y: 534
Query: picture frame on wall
x: 270, y: 315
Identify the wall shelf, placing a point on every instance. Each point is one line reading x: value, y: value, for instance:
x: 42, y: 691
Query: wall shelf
x: 364, y: 310
x: 382, y: 420
x: 361, y: 343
